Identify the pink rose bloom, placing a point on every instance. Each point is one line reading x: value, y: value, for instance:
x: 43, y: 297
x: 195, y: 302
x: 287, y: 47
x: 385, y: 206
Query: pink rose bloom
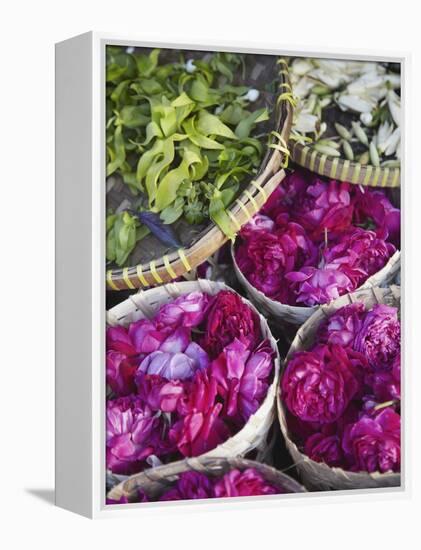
x: 120, y: 373
x: 259, y: 222
x: 146, y: 337
x: 386, y: 384
x: 133, y: 434
x: 315, y: 286
x: 373, y: 442
x: 118, y: 339
x: 199, y: 432
x: 159, y: 393
x: 325, y: 448
x: 245, y: 483
x: 325, y: 206
x: 318, y: 385
x: 374, y: 205
x: 187, y: 310
x: 199, y: 395
x: 342, y: 327
x: 361, y: 249
x: 379, y: 338
x: 242, y: 378
x: 228, y: 318
x: 190, y: 485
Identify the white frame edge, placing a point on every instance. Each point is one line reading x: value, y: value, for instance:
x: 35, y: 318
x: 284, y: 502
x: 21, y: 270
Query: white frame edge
x: 80, y: 292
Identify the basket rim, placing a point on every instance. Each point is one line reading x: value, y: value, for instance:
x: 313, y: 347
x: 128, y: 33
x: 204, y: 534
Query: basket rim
x: 342, y: 169
x: 198, y: 464
x: 176, y: 263
x: 379, y: 294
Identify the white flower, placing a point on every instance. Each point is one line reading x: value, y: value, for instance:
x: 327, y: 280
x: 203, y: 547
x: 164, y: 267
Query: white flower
x: 130, y: 49
x: 252, y: 95
x: 305, y: 123
x: 190, y: 66
x: 394, y: 104
x: 366, y: 118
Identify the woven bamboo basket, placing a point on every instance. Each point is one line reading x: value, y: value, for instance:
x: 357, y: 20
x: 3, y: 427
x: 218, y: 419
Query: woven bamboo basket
x: 157, y: 480
x: 342, y: 169
x: 297, y: 315
x: 316, y: 475
x: 144, y: 304
x: 154, y: 263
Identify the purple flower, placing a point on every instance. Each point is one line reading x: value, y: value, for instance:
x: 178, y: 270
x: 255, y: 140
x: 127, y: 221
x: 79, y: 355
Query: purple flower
x: 318, y: 385
x: 379, y: 337
x: 174, y: 366
x: 372, y: 444
x: 386, y: 385
x: 190, y: 485
x: 228, y: 318
x: 259, y: 222
x: 187, y: 310
x: 118, y: 339
x: 159, y: 393
x: 325, y: 448
x: 133, y: 434
x: 146, y: 337
x: 342, y: 327
x: 315, y: 286
x: 242, y: 378
x: 249, y: 482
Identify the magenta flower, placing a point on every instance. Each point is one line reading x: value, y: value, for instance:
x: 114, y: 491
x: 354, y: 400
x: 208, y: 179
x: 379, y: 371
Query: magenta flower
x: 379, y: 336
x: 374, y: 205
x: 199, y: 432
x: 258, y: 223
x: 386, y: 385
x: 244, y: 484
x: 228, y: 318
x: 190, y: 485
x: 325, y: 448
x: 159, y: 393
x: 315, y: 286
x: 187, y: 310
x: 146, y: 337
x: 242, y: 378
x: 318, y: 385
x: 372, y: 444
x: 360, y: 249
x: 199, y: 395
x: 342, y: 327
x: 133, y: 434
x: 118, y: 339
x: 120, y: 373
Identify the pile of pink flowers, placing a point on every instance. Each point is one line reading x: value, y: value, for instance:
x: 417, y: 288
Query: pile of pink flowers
x: 185, y: 381
x: 195, y: 485
x: 343, y: 395
x: 315, y: 240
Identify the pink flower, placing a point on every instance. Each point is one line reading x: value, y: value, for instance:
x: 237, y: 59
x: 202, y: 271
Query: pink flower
x: 199, y: 432
x: 379, y: 336
x: 242, y: 378
x: 199, y: 395
x: 243, y: 484
x: 373, y: 442
x: 318, y: 385
x: 360, y: 249
x: 159, y: 393
x: 190, y: 485
x: 118, y: 339
x: 315, y: 286
x: 133, y: 434
x: 386, y: 384
x: 342, y: 327
x: 187, y: 310
x: 146, y: 337
x: 374, y: 205
x: 326, y: 206
x: 259, y: 222
x: 120, y: 373
x: 228, y: 318
x: 325, y: 448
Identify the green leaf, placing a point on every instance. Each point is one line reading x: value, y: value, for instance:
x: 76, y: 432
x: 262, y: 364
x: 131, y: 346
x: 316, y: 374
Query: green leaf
x: 218, y: 214
x: 146, y: 64
x: 119, y: 152
x: 132, y: 116
x: 209, y: 124
x: 245, y: 126
x: 199, y: 139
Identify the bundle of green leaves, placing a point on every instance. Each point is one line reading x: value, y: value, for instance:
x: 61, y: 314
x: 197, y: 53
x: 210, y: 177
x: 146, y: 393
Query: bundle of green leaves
x: 180, y: 136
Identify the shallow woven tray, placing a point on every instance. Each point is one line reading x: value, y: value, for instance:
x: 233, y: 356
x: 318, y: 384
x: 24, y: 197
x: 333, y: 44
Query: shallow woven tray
x: 341, y: 169
x: 156, y: 480
x: 317, y: 475
x: 154, y: 263
x: 144, y: 304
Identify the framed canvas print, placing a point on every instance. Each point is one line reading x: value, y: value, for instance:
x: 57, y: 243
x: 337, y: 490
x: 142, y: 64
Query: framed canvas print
x: 228, y: 273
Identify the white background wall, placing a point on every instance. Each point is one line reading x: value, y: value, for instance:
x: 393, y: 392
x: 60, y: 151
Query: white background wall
x: 28, y: 32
